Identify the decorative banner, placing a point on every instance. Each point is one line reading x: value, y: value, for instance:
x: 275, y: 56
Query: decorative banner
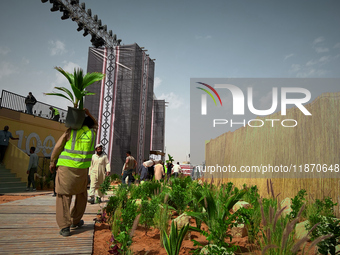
x: 107, y: 100
x: 142, y: 112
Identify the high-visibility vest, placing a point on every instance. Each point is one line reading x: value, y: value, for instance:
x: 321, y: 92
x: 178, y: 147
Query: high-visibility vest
x: 56, y: 112
x: 79, y: 149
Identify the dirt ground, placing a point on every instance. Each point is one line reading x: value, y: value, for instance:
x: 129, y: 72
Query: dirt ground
x: 150, y: 243
x: 7, y: 198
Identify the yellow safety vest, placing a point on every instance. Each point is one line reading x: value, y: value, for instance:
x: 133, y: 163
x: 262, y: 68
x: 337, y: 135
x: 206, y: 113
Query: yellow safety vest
x: 56, y: 112
x: 79, y: 149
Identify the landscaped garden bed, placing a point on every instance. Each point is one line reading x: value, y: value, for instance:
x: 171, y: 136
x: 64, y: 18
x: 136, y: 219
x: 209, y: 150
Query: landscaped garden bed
x: 212, y: 218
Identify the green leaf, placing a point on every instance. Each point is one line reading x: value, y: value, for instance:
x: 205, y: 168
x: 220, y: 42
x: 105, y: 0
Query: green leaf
x: 78, y: 79
x: 90, y: 78
x: 58, y: 94
x: 68, y: 76
x: 77, y: 93
x: 66, y: 91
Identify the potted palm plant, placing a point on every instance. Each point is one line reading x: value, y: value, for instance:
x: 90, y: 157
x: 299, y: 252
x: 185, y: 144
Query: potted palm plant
x: 79, y: 82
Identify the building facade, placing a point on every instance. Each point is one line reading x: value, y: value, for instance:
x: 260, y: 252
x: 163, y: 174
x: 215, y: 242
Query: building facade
x: 124, y: 102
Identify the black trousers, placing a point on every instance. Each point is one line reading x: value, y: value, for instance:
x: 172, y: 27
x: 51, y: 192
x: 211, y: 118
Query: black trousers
x: 2, y: 152
x: 30, y: 178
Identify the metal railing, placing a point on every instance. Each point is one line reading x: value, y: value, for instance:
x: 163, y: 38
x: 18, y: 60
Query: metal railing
x: 16, y: 102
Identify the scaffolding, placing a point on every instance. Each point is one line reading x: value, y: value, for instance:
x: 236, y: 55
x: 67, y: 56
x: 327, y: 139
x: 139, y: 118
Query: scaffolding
x: 124, y: 102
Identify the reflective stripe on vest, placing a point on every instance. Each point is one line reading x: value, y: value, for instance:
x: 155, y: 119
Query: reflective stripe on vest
x: 79, y: 149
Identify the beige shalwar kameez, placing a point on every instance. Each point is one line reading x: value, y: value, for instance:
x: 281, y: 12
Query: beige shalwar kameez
x: 69, y: 181
x: 99, y: 164
x: 159, y: 172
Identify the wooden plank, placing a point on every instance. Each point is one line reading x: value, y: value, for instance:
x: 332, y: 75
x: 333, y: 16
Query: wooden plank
x: 29, y: 227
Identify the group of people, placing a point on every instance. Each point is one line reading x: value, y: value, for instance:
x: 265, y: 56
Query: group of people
x: 30, y: 101
x: 156, y: 169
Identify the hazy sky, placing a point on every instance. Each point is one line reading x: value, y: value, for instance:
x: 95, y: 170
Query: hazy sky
x: 188, y: 39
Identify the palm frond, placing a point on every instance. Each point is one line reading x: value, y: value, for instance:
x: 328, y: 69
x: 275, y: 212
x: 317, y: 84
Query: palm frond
x: 58, y: 94
x: 78, y: 79
x: 68, y: 76
x: 87, y: 93
x: 90, y: 78
x: 66, y: 91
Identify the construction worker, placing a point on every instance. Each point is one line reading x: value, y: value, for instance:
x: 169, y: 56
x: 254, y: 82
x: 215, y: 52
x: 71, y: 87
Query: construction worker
x: 73, y: 153
x: 55, y: 114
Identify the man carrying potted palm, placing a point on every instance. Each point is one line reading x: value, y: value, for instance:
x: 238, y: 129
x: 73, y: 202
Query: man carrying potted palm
x: 72, y: 156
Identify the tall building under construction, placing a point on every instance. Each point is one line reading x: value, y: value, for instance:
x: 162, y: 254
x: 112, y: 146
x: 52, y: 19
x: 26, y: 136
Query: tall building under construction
x: 130, y: 118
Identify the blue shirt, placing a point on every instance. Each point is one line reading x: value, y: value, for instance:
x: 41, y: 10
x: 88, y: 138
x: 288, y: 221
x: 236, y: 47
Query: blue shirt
x: 4, y: 137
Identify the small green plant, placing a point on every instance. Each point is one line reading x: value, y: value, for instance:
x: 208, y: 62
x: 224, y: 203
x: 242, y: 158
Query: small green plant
x: 251, y: 217
x: 162, y: 218
x: 217, y: 217
x: 318, y: 213
x: 148, y: 211
x: 120, y: 198
x: 173, y: 242
x: 149, y: 189
x: 325, y: 207
x: 129, y: 213
x: 179, y: 198
x: 116, y: 220
x: 124, y: 238
x: 297, y: 203
x: 105, y: 186
x: 329, y: 227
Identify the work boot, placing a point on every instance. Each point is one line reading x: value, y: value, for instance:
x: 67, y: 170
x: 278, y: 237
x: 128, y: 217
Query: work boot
x: 91, y: 200
x: 65, y: 231
x: 81, y: 223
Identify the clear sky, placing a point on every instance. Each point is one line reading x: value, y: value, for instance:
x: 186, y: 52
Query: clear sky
x: 188, y: 39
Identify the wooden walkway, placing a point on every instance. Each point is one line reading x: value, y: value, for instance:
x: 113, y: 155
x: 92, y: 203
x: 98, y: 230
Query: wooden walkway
x: 29, y: 227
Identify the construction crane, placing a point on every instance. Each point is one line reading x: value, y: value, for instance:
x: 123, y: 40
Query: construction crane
x: 90, y: 24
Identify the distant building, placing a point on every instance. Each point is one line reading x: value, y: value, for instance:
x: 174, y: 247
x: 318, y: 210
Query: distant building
x: 124, y: 103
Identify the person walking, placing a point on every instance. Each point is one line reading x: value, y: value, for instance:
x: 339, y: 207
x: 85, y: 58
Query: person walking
x: 55, y: 114
x: 73, y: 154
x: 99, y: 165
x: 129, y: 166
x: 159, y: 171
x: 151, y: 170
x: 169, y: 167
x: 30, y: 101
x: 32, y: 169
x: 177, y: 169
x: 143, y: 170
x: 5, y: 135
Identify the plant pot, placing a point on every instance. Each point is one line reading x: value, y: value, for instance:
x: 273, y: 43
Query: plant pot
x: 75, y: 118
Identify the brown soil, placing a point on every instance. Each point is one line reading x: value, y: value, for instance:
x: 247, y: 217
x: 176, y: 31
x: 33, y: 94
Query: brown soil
x: 150, y: 243
x: 7, y: 198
